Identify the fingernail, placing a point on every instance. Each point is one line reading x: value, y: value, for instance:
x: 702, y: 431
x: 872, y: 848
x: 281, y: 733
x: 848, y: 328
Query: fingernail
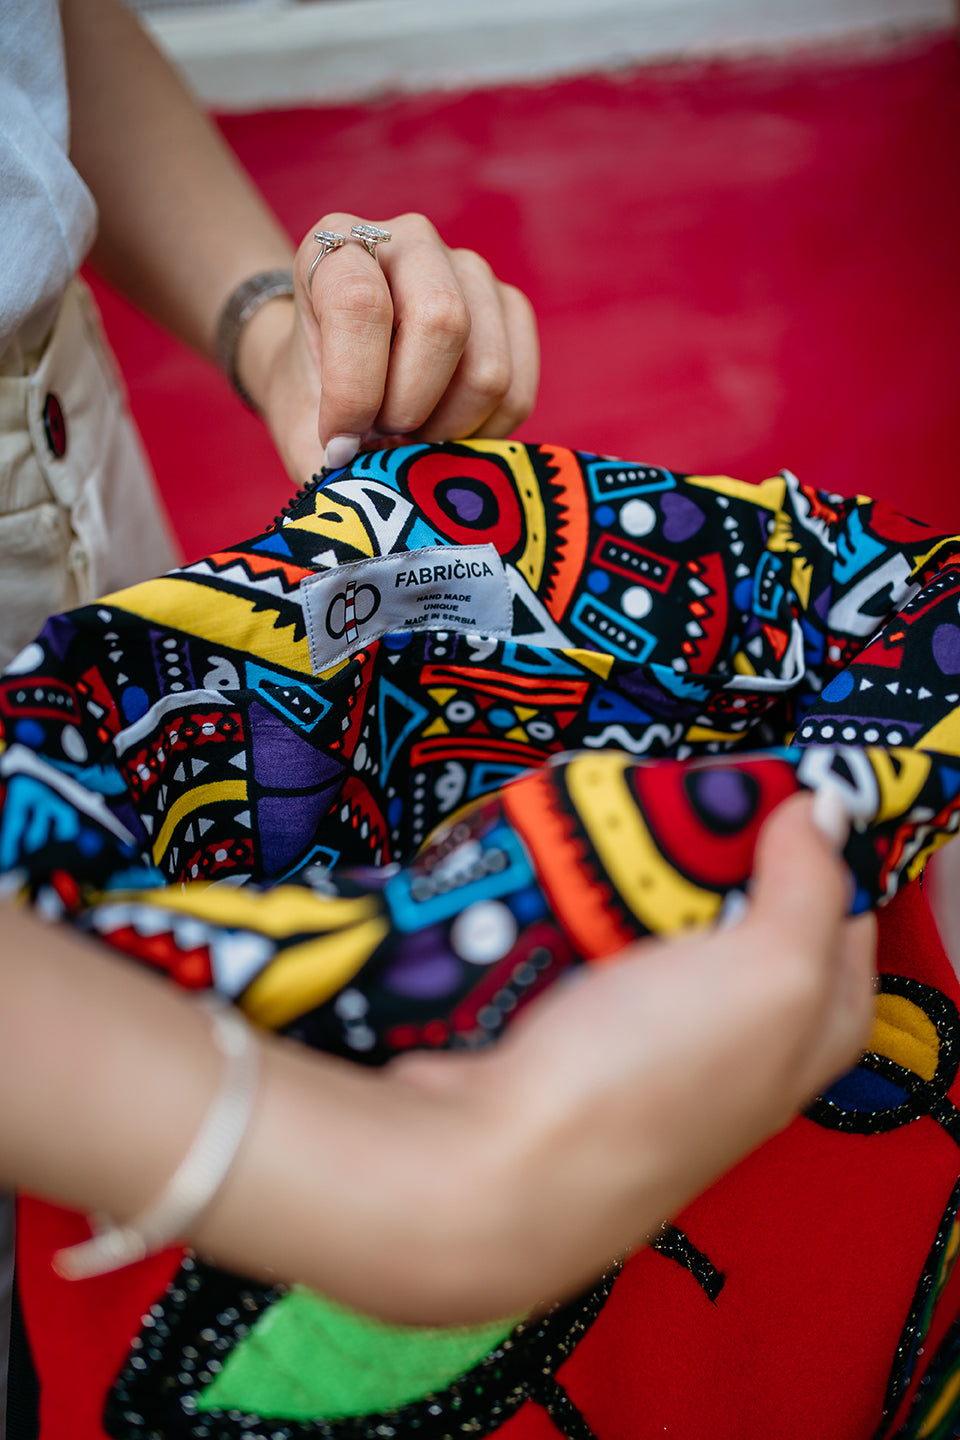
x: 734, y: 908
x: 831, y: 816
x: 340, y: 451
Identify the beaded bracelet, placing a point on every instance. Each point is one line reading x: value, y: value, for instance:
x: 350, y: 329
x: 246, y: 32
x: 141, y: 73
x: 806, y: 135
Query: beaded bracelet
x: 194, y: 1184
x: 240, y: 307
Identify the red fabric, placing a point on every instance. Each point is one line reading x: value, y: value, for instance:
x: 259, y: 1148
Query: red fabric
x: 79, y: 1333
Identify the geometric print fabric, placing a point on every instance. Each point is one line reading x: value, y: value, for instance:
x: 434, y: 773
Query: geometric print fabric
x: 405, y: 848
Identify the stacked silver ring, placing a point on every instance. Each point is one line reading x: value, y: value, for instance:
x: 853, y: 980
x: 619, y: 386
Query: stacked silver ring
x: 328, y: 240
x: 370, y: 236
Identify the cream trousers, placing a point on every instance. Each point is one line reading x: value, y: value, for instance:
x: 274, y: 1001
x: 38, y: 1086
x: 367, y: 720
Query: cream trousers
x: 79, y: 513
x: 79, y: 516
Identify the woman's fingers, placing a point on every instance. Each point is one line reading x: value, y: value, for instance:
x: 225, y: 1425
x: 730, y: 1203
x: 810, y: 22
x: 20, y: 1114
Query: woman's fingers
x: 494, y: 386
x: 824, y: 962
x: 618, y: 1098
x: 729, y: 1031
x: 386, y: 331
x: 346, y: 310
x: 420, y: 341
x: 433, y: 320
x: 524, y: 345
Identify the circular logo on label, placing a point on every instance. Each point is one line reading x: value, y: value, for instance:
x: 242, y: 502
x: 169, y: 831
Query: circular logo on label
x: 349, y: 609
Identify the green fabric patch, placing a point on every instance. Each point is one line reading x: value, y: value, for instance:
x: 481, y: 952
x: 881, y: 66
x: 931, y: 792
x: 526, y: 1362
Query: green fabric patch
x: 308, y: 1358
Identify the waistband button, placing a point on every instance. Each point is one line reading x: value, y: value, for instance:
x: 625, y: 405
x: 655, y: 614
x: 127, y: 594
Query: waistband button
x: 55, y: 426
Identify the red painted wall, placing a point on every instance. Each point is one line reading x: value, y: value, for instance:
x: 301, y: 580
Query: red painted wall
x: 737, y: 267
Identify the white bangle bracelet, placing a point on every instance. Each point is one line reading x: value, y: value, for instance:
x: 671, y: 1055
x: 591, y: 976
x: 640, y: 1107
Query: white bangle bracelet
x: 200, y: 1174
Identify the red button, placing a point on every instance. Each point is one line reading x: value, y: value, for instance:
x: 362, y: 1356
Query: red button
x: 55, y: 426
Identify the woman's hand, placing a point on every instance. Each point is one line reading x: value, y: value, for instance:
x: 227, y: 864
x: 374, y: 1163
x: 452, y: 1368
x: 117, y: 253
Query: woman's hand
x: 448, y: 1188
x: 427, y: 344
x: 456, y: 1188
x: 621, y: 1096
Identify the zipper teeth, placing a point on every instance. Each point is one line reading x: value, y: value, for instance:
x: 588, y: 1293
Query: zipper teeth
x: 312, y: 484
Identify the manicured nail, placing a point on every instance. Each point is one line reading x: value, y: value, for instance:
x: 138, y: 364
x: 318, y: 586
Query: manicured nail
x: 831, y: 816
x: 340, y: 451
x: 734, y: 908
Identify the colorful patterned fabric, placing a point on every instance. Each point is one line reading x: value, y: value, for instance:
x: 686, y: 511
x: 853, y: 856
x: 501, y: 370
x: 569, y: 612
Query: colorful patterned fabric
x: 469, y: 716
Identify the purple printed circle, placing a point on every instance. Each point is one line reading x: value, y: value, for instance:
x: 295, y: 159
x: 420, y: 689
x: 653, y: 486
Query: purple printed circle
x: 467, y: 503
x: 682, y: 517
x: 424, y: 968
x: 724, y: 795
x: 946, y: 649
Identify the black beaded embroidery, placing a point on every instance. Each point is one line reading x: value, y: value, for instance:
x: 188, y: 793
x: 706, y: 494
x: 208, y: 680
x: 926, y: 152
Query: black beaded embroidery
x: 939, y: 1376
x: 918, y: 1318
x: 922, y: 1097
x: 188, y: 1334
x: 314, y: 483
x: 676, y: 1245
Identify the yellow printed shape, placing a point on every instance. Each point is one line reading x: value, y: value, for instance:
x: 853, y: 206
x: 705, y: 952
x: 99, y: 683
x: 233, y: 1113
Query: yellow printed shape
x: 532, y: 560
x: 517, y: 733
x: 941, y: 1407
x: 944, y: 737
x: 596, y: 660
x: 768, y: 495
x: 919, y: 860
x: 801, y: 578
x: 215, y: 615
x: 950, y: 543
x: 906, y: 1035
x: 282, y: 911
x: 660, y: 898
x: 953, y: 1245
x: 334, y: 669
x: 335, y: 520
x: 437, y: 727
x: 200, y: 798
x: 898, y: 789
x: 698, y: 733
x: 442, y: 694
x: 783, y: 536
x: 302, y: 977
x: 742, y: 664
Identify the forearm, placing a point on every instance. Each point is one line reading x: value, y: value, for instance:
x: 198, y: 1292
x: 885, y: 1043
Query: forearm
x: 181, y: 224
x: 448, y: 1188
x: 415, y: 1193
x: 444, y: 1189
x: 425, y: 342
x: 355, y: 1182
x: 106, y: 1073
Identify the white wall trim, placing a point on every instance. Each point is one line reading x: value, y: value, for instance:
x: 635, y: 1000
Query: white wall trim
x: 286, y: 53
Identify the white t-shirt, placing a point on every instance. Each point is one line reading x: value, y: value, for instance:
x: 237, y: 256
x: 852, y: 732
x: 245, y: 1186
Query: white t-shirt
x: 47, y: 215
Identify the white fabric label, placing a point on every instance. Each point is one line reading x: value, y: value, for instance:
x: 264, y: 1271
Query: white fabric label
x: 441, y: 587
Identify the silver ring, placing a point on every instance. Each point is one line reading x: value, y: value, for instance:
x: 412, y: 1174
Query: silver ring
x: 328, y: 240
x: 370, y: 236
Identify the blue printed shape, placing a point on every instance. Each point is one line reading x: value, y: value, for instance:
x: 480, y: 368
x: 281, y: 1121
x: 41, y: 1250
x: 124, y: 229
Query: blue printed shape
x: 616, y: 479
x: 415, y: 902
x: 611, y: 631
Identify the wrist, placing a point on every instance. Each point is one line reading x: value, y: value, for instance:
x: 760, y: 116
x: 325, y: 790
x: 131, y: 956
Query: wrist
x: 384, y: 1189
x: 256, y: 318
x: 261, y: 341
x: 196, y: 1180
